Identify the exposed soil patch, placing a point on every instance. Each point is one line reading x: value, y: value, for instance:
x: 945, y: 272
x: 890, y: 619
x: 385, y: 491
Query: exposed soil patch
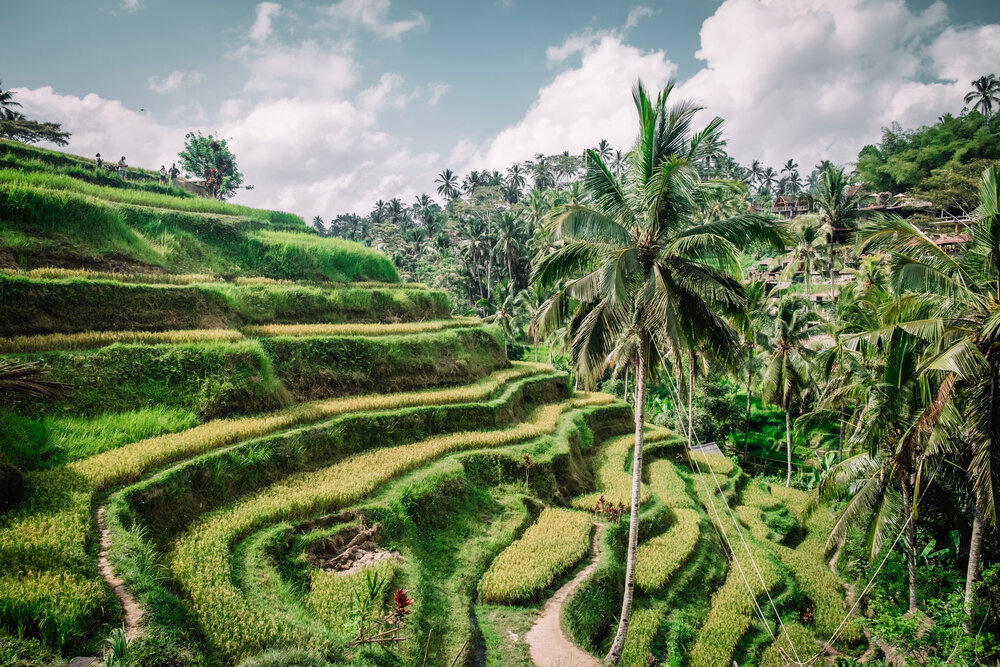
x: 549, y: 646
x: 132, y: 611
x: 349, y: 551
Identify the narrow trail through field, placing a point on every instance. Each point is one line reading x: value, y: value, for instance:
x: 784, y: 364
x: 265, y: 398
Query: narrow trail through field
x: 132, y: 611
x: 548, y: 645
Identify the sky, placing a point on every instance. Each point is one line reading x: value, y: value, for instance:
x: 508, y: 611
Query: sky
x: 331, y: 106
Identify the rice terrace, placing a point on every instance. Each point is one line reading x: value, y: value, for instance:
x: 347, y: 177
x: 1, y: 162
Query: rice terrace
x: 500, y: 334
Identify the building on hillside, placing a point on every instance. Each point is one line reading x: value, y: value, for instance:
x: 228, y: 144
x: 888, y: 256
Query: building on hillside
x: 789, y: 207
x: 952, y: 243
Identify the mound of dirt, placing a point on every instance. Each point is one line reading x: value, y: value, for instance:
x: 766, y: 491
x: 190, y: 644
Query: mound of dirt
x: 349, y: 551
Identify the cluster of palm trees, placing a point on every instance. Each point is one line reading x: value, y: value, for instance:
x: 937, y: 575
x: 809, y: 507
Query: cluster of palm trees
x: 909, y: 362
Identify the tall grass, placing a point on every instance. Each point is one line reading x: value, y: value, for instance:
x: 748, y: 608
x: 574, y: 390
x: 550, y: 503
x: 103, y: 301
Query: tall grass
x: 91, y: 339
x: 642, y: 629
x: 330, y: 257
x: 614, y: 479
x: 32, y: 307
x: 556, y: 542
x: 332, y: 596
x: 367, y: 330
x: 202, y: 558
x: 15, y: 180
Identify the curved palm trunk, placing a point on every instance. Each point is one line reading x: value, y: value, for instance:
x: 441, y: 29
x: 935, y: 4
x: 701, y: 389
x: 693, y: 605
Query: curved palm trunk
x: 788, y: 444
x: 808, y: 271
x: 972, y: 573
x: 633, y: 529
x: 911, y: 543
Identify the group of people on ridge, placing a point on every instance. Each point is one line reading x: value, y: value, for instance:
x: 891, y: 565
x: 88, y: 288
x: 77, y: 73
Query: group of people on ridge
x: 123, y: 174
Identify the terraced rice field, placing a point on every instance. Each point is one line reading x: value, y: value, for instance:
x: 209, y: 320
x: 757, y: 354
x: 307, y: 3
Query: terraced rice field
x: 269, y: 448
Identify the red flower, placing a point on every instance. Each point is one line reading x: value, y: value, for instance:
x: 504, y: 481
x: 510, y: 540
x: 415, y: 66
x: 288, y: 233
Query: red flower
x: 402, y: 602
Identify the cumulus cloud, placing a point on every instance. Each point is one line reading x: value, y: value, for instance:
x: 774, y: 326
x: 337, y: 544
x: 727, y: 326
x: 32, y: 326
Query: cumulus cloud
x: 309, y: 68
x: 373, y: 14
x: 103, y: 126
x: 130, y: 6
x: 635, y: 14
x: 804, y: 79
x: 261, y: 29
x: 173, y: 81
x: 581, y: 105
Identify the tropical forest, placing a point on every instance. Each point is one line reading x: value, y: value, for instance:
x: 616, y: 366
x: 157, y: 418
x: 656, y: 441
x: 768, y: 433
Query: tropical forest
x: 641, y: 404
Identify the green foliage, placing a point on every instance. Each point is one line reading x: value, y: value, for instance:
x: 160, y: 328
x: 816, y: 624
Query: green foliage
x: 904, y: 160
x: 30, y: 307
x: 210, y: 159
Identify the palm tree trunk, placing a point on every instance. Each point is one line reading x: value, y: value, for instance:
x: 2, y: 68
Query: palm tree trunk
x: 746, y: 431
x: 911, y: 543
x: 691, y: 402
x: 626, y: 383
x: 788, y: 444
x: 972, y: 572
x: 633, y: 529
x: 536, y: 347
x: 833, y: 290
x: 840, y: 440
x: 808, y: 271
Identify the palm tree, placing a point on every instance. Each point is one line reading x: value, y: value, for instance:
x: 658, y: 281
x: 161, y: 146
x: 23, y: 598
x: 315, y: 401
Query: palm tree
x: 837, y: 209
x: 985, y: 93
x: 633, y: 263
x: 767, y: 179
x: 516, y: 181
x: 789, y: 167
x: 892, y: 420
x: 7, y: 105
x: 786, y: 369
x: 752, y: 329
x: 505, y: 309
x: 448, y: 187
x: 804, y: 253
x: 509, y: 243
x: 970, y: 285
x: 756, y: 171
x: 604, y: 150
x: 618, y: 164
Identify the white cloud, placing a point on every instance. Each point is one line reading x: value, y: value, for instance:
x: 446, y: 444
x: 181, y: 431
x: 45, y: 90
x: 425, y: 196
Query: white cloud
x: 636, y: 13
x: 104, y: 126
x: 130, y: 6
x: 373, y: 14
x: 805, y: 79
x: 261, y: 28
x: 436, y: 91
x: 386, y: 93
x: 173, y: 81
x: 581, y: 105
x: 309, y: 68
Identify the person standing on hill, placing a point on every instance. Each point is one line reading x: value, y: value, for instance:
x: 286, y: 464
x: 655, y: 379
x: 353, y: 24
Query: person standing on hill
x: 121, y: 168
x: 163, y: 175
x: 174, y: 171
x: 100, y: 162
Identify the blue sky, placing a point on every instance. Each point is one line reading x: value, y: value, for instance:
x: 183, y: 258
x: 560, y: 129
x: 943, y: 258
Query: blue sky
x: 333, y: 105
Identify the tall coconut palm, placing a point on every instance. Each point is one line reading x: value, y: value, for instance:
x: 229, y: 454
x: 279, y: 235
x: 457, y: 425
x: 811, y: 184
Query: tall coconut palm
x: 448, y: 187
x: 768, y: 178
x: 516, y: 181
x: 892, y: 421
x: 985, y: 93
x: 804, y: 253
x: 633, y: 263
x: 509, y: 243
x: 837, y: 209
x: 970, y: 286
x: 790, y: 167
x: 753, y: 325
x: 786, y: 376
x: 756, y: 171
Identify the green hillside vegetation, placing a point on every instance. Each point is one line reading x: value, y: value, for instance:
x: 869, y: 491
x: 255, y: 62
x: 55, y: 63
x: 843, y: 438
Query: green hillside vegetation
x: 282, y: 454
x: 50, y: 216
